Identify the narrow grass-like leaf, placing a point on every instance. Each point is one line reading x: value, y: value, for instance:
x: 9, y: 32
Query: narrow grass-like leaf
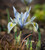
x: 27, y: 9
x: 25, y: 2
x: 39, y: 34
x: 8, y: 15
x: 15, y: 30
x: 19, y: 37
x: 38, y: 46
x: 15, y: 35
x: 27, y: 43
x: 31, y: 45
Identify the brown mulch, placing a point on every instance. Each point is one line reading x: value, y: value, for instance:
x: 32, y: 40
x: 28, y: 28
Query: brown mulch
x: 8, y: 39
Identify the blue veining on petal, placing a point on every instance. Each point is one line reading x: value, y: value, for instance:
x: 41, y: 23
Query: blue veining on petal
x: 16, y: 14
x: 32, y: 19
x: 21, y: 18
x: 27, y: 14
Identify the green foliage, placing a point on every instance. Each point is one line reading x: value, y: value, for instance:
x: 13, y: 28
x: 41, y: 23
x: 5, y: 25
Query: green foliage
x: 39, y: 12
x: 15, y: 35
x: 18, y: 38
x: 38, y: 46
x: 37, y: 7
x: 8, y: 15
x: 27, y: 43
x: 31, y: 45
x: 39, y: 34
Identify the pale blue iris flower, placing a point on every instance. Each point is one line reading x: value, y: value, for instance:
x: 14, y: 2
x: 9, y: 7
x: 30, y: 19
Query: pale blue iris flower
x: 20, y: 19
x: 11, y: 24
x: 26, y: 1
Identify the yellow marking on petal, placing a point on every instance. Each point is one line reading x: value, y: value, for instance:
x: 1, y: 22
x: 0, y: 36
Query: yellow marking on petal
x: 11, y: 24
x: 34, y: 24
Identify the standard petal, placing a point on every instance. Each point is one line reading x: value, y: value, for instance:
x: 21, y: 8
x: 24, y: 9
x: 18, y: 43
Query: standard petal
x: 20, y: 22
x: 16, y: 14
x: 15, y: 21
x: 26, y: 14
x: 26, y: 1
x: 11, y: 19
x: 27, y: 23
x: 21, y: 16
x: 30, y: 22
x: 32, y: 19
x: 30, y: 1
x: 29, y: 9
x: 14, y: 10
x: 10, y: 26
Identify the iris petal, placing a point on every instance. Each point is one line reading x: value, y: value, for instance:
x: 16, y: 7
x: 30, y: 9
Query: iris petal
x: 32, y: 19
x: 20, y: 22
x: 26, y: 15
x: 16, y: 14
x: 11, y: 19
x: 35, y: 26
x: 10, y: 26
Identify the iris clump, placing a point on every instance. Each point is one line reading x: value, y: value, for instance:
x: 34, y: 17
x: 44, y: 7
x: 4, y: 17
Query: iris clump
x: 21, y: 20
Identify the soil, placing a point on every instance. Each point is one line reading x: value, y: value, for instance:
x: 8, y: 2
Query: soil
x: 8, y: 39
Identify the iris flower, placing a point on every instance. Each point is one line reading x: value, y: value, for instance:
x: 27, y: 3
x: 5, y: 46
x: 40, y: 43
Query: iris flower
x: 27, y: 2
x: 21, y: 20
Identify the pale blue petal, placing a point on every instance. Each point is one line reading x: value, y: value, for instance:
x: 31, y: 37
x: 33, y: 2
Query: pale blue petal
x: 32, y: 19
x: 22, y: 17
x: 21, y: 14
x: 20, y: 22
x: 16, y: 14
x: 14, y: 10
x: 28, y: 1
x: 10, y: 27
x: 15, y: 21
x: 26, y: 15
x: 27, y: 23
x: 11, y: 19
x: 29, y: 9
x: 36, y: 26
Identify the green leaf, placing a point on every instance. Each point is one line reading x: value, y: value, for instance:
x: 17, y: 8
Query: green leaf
x: 39, y: 34
x: 38, y: 46
x: 8, y: 15
x: 15, y: 35
x: 19, y: 37
x: 27, y: 43
x: 31, y: 45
